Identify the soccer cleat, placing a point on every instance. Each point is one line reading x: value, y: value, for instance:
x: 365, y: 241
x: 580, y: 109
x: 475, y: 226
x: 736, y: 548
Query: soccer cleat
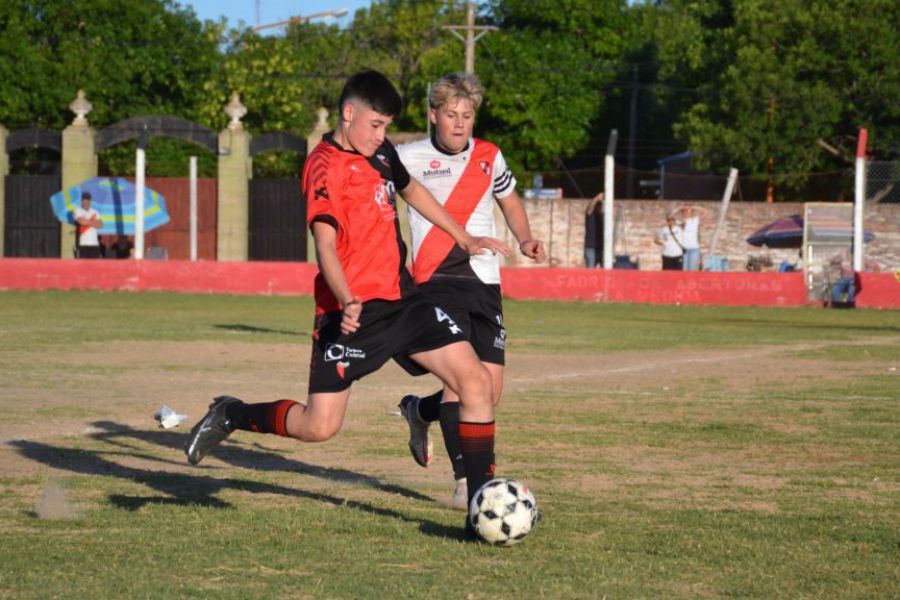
x: 419, y: 441
x: 210, y: 431
x: 460, y: 498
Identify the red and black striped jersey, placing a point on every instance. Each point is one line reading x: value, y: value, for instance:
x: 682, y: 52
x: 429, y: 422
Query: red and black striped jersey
x: 357, y: 196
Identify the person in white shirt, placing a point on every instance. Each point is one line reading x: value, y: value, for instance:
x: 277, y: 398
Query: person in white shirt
x: 468, y: 176
x: 88, y: 220
x: 690, y: 241
x: 669, y: 237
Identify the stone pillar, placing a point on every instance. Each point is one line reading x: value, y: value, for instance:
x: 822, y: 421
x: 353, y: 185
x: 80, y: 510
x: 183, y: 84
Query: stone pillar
x: 79, y: 162
x: 314, y: 137
x: 235, y: 171
x: 4, y: 171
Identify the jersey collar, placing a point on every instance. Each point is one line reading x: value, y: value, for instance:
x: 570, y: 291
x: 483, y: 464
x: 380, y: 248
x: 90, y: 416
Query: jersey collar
x: 443, y: 150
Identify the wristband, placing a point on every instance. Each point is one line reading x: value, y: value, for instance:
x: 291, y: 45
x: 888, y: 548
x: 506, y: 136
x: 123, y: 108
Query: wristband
x: 351, y: 302
x: 523, y: 242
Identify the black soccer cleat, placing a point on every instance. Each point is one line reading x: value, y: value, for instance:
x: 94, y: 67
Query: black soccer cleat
x: 210, y: 431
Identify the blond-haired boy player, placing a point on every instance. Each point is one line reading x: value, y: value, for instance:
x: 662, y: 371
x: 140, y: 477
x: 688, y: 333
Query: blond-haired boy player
x: 467, y: 176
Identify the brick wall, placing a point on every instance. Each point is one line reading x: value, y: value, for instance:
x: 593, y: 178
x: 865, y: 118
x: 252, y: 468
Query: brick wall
x: 560, y: 224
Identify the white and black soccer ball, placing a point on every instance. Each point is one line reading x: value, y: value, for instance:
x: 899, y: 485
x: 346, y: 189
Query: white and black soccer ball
x: 503, y: 511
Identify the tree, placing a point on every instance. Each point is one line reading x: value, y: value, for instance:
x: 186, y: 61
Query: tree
x: 131, y: 59
x: 544, y: 72
x: 776, y: 80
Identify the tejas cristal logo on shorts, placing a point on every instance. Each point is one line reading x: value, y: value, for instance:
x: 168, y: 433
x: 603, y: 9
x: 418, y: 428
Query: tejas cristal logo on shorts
x: 338, y: 352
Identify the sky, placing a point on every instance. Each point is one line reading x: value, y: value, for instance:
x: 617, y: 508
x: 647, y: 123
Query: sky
x: 271, y: 11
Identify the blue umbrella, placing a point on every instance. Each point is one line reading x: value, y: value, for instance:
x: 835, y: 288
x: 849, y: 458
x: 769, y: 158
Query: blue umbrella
x: 114, y: 199
x: 787, y: 232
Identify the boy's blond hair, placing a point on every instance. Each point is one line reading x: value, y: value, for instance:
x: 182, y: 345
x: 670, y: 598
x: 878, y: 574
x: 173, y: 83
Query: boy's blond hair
x: 456, y: 86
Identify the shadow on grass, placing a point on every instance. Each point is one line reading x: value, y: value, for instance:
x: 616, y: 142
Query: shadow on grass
x: 181, y: 489
x: 239, y: 455
x: 241, y: 328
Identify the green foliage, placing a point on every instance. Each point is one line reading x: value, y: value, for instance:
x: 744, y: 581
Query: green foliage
x: 131, y: 59
x: 744, y: 83
x: 772, y: 80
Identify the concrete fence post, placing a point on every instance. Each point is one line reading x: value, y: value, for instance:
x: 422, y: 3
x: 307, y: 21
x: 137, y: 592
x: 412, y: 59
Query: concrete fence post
x: 79, y: 162
x: 234, y: 171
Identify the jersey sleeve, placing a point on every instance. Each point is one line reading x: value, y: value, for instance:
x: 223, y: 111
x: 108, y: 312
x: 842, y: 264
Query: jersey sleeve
x: 321, y: 193
x: 399, y: 173
x: 504, y: 182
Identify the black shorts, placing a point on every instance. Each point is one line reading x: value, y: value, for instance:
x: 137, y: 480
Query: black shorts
x: 477, y: 308
x: 388, y: 329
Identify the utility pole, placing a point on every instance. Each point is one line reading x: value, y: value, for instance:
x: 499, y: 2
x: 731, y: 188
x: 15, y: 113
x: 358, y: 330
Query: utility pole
x: 632, y: 133
x: 470, y: 38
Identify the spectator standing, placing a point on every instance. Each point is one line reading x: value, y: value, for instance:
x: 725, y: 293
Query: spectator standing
x: 593, y: 232
x: 669, y: 237
x: 88, y: 220
x: 690, y: 238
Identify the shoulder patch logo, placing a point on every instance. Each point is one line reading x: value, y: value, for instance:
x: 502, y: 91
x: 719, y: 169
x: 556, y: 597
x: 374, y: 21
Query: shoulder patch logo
x: 435, y: 164
x: 383, y: 160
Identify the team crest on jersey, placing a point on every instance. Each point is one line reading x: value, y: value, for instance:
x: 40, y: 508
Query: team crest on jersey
x: 485, y: 166
x: 383, y: 160
x: 435, y: 164
x: 384, y: 198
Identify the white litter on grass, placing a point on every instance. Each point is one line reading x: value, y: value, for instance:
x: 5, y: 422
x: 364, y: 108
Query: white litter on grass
x: 168, y: 418
x: 395, y: 413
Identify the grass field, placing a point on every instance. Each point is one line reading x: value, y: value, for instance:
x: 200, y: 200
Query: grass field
x: 676, y: 452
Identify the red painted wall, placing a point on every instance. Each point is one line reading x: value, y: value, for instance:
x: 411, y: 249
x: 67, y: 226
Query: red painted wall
x: 878, y: 290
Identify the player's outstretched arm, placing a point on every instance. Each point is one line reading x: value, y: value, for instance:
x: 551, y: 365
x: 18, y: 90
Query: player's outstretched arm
x: 331, y: 269
x: 421, y: 199
x: 517, y: 220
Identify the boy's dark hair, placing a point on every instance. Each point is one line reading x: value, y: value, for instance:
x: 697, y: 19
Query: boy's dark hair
x: 373, y: 89
x: 86, y: 196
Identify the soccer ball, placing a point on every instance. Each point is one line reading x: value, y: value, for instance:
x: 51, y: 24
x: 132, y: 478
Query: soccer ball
x: 503, y: 511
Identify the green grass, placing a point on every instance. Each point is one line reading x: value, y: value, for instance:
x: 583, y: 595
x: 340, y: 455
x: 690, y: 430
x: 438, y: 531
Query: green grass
x: 710, y: 485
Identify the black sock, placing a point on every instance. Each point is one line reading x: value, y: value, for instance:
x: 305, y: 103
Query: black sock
x: 450, y: 427
x: 429, y: 406
x: 477, y: 443
x: 265, y: 417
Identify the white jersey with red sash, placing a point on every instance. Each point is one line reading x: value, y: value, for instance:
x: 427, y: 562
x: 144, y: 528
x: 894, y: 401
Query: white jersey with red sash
x: 466, y: 184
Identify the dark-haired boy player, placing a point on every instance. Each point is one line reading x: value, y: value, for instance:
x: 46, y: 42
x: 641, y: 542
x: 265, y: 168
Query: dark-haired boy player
x: 367, y: 308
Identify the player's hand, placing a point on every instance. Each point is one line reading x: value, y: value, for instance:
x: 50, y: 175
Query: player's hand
x: 350, y: 319
x: 475, y: 245
x: 533, y: 249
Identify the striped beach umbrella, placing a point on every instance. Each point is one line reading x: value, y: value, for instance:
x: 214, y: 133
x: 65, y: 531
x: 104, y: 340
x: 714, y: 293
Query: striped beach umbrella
x: 787, y: 232
x: 114, y: 199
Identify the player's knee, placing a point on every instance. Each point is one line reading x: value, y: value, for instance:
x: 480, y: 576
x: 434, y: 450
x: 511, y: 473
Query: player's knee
x: 321, y: 432
x: 476, y: 385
